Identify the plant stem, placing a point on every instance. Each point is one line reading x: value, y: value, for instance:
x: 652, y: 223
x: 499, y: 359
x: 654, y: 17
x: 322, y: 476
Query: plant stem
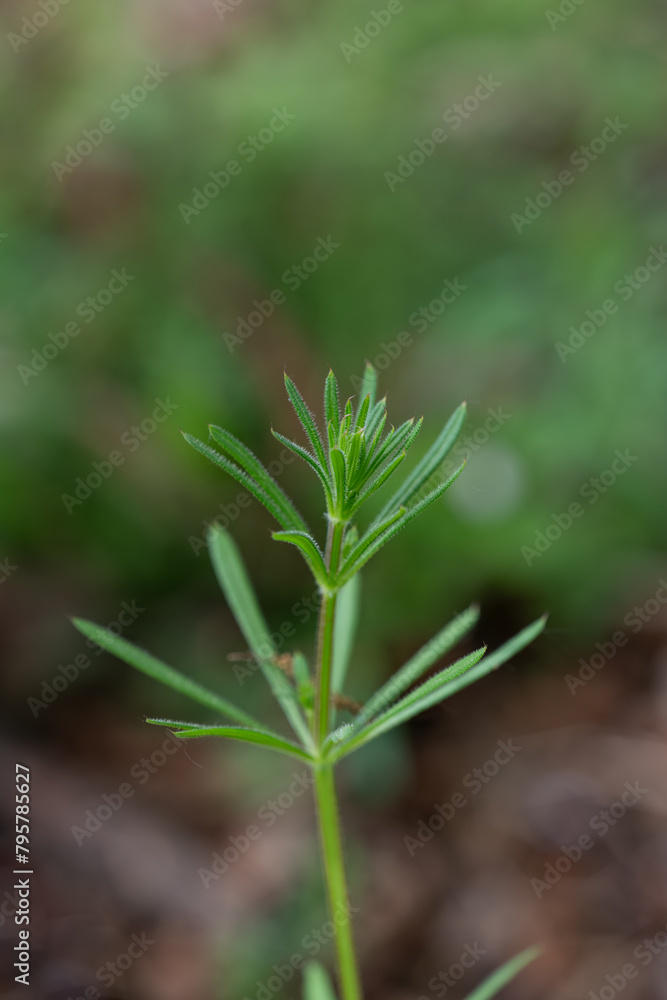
x: 325, y: 630
x: 334, y: 871
x: 325, y: 789
x: 324, y: 659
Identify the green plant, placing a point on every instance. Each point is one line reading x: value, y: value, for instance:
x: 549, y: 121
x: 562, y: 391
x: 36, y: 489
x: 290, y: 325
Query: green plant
x: 353, y: 459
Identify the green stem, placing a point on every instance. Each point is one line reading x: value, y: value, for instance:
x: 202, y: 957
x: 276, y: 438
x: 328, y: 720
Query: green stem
x: 325, y: 789
x: 334, y: 870
x: 325, y: 631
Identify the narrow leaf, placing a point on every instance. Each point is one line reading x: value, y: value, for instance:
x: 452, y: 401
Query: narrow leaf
x: 338, y: 469
x: 236, y: 587
x: 504, y: 975
x: 395, y: 441
x: 362, y: 413
x: 332, y: 435
x: 245, y: 457
x: 159, y: 671
x: 385, y: 447
x: 346, y: 422
x: 418, y: 664
x: 368, y: 385
x: 428, y: 694
x: 316, y: 983
x: 176, y: 723
x: 430, y: 462
x: 307, y: 420
x: 376, y: 420
x: 310, y: 551
x: 368, y: 547
x: 300, y: 668
x: 375, y: 536
x: 304, y: 686
x: 379, y: 480
x: 238, y: 590
x: 311, y: 461
x: 331, y: 404
x: 514, y: 645
x: 355, y: 456
x: 289, y: 523
x: 258, y: 736
x: 413, y: 433
x: 463, y: 679
x: 345, y: 626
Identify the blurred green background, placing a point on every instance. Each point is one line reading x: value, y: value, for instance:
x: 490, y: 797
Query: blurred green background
x: 350, y: 103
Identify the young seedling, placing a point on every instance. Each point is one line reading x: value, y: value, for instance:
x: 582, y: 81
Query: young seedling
x: 353, y: 456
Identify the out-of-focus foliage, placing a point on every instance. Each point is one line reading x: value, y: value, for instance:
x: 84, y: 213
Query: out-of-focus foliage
x: 550, y: 87
x: 171, y: 338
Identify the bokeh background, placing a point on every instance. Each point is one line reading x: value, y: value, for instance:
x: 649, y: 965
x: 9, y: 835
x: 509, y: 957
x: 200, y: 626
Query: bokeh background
x: 350, y: 103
